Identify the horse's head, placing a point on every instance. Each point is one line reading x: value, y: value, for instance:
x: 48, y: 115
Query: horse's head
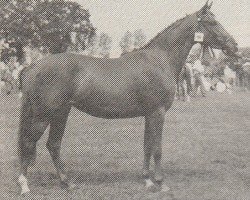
x: 215, y: 34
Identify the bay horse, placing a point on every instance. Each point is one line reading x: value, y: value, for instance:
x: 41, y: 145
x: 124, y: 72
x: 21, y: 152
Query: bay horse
x: 138, y: 84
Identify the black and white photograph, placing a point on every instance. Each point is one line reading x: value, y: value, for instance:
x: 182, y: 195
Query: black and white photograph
x: 124, y: 100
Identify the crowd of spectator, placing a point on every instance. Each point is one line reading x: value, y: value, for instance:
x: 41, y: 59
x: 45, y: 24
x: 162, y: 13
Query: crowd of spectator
x: 14, y: 56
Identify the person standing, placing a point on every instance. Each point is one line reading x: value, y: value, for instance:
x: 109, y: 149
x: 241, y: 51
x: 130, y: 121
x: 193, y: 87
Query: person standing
x: 4, y: 48
x: 198, y: 71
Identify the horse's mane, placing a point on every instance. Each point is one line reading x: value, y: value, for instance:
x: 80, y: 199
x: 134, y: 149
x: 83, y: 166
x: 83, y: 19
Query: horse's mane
x: 171, y: 27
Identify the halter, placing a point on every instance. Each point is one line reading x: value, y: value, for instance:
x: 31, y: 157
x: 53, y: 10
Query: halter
x: 221, y: 40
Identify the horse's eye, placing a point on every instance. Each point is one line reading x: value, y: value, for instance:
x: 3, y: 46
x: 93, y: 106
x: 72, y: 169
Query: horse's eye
x: 214, y: 23
x: 211, y: 23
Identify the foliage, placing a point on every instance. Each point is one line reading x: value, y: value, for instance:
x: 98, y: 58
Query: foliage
x: 131, y: 41
x: 92, y: 47
x: 99, y: 45
x: 139, y: 38
x: 105, y: 43
x: 46, y: 23
x: 126, y: 42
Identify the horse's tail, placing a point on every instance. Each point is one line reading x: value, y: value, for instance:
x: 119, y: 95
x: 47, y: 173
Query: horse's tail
x: 21, y: 74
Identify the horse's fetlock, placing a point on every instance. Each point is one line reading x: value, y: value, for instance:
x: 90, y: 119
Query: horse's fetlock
x: 157, y: 155
x: 52, y: 146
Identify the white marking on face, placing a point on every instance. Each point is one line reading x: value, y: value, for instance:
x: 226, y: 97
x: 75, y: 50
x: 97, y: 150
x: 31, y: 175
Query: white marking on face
x: 24, y: 184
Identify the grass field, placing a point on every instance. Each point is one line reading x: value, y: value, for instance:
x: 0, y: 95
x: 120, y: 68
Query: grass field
x: 206, y: 154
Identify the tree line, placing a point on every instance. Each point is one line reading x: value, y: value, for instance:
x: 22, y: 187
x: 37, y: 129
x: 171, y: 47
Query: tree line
x: 59, y: 26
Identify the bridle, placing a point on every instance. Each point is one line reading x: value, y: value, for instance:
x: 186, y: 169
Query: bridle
x: 222, y: 40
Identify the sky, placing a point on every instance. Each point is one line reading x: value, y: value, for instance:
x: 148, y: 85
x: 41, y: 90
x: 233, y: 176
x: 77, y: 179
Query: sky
x: 115, y: 17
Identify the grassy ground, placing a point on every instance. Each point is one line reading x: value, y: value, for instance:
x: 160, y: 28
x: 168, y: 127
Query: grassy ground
x: 206, y: 154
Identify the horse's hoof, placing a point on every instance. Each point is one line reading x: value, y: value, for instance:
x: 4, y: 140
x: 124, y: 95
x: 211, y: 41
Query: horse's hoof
x: 159, y: 178
x: 64, y: 184
x: 25, y: 194
x: 164, y: 188
x: 68, y: 185
x: 72, y: 187
x: 159, y: 182
x: 153, y: 188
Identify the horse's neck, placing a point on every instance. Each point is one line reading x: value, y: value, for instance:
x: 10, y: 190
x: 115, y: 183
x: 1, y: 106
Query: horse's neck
x: 177, y: 41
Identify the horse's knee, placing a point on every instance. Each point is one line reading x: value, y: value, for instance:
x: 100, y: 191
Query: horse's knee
x: 53, y: 148
x: 39, y: 126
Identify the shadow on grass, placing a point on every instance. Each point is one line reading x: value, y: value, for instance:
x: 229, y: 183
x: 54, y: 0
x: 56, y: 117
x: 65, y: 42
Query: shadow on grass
x: 190, y: 174
x: 100, y: 177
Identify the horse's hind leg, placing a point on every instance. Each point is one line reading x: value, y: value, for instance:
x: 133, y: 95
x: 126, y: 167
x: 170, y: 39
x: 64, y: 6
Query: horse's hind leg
x: 57, y: 127
x: 177, y: 91
x: 153, y: 144
x: 30, y: 130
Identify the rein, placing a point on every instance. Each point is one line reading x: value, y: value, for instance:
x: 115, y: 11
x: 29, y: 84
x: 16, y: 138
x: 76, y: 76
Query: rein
x: 222, y: 42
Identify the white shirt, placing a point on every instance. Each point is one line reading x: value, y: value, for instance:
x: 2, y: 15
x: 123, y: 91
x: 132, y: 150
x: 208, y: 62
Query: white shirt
x: 198, y: 67
x: 229, y: 73
x: 196, y: 49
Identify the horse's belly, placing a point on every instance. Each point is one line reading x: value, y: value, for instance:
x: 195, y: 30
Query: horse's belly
x: 109, y: 104
x: 111, y: 112
x: 123, y: 98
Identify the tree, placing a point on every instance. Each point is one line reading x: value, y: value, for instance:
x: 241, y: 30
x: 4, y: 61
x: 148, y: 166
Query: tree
x: 105, y: 43
x: 92, y: 46
x: 139, y: 38
x: 46, y: 23
x: 99, y: 45
x: 126, y: 42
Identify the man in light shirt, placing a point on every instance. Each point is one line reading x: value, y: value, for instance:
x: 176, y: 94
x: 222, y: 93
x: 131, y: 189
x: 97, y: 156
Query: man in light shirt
x: 198, y: 71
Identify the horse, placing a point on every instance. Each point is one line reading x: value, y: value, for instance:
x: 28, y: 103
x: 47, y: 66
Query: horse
x: 137, y: 84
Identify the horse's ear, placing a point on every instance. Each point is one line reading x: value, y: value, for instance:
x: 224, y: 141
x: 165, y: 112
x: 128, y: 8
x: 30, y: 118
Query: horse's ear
x: 210, y: 5
x: 206, y: 7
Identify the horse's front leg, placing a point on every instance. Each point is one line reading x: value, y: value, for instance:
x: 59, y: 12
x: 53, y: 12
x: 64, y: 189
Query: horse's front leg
x: 153, y: 144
